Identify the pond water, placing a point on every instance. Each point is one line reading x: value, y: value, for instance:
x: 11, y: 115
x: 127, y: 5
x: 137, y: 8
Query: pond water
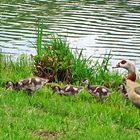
x: 98, y: 26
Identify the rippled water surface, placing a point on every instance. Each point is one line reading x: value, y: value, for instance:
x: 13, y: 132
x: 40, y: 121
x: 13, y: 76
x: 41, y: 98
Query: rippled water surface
x: 98, y: 26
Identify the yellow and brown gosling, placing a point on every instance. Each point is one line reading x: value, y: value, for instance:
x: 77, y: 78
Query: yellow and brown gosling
x: 29, y: 84
x: 133, y: 88
x: 68, y: 90
x: 96, y: 90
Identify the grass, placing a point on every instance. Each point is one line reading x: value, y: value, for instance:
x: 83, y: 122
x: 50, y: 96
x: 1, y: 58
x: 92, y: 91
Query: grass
x: 48, y: 116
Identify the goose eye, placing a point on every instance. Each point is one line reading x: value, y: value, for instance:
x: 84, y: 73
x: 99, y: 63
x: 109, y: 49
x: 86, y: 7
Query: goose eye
x: 123, y: 61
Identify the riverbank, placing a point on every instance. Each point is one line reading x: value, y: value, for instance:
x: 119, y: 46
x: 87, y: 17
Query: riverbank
x: 46, y: 115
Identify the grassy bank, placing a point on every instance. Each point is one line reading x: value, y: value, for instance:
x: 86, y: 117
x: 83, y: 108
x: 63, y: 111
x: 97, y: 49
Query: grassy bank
x: 48, y: 116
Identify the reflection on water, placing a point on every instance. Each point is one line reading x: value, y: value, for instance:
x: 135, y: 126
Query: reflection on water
x: 97, y: 26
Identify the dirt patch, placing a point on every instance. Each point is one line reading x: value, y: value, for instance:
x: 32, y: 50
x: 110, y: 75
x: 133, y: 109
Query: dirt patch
x: 45, y: 134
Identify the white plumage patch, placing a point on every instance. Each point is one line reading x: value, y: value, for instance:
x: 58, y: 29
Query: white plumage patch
x: 67, y: 88
x: 104, y: 90
x: 62, y: 91
x: 75, y: 88
x: 37, y: 79
x: 20, y: 83
x: 29, y: 80
x: 95, y: 90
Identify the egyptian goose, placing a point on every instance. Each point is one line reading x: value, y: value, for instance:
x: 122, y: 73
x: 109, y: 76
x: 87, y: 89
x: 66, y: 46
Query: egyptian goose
x: 97, y: 90
x: 30, y: 84
x: 133, y: 88
x: 68, y: 90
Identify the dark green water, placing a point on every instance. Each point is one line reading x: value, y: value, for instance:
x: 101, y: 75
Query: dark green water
x: 96, y: 25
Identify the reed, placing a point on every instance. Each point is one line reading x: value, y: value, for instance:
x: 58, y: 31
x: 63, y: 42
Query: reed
x: 39, y: 39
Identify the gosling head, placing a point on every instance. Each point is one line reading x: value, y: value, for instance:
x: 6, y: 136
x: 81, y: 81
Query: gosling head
x: 85, y: 82
x: 9, y: 84
x: 56, y: 88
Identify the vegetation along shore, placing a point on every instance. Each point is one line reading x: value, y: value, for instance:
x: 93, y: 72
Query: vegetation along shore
x: 44, y: 114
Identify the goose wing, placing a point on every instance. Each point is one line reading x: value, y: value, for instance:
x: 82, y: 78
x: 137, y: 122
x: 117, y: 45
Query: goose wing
x: 25, y: 81
x: 137, y: 90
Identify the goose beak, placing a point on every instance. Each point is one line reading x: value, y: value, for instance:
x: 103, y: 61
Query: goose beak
x: 117, y: 66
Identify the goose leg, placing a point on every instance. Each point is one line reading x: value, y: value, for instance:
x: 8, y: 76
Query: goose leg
x: 100, y: 97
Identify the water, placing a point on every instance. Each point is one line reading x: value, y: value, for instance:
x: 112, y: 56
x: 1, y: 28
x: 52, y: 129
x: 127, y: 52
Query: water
x: 99, y: 26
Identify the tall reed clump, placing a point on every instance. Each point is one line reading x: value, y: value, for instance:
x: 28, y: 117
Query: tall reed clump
x: 54, y: 59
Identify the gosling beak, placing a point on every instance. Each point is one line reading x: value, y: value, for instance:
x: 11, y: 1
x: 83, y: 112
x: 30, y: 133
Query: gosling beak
x: 9, y: 88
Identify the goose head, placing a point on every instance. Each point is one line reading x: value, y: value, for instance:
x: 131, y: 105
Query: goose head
x: 126, y: 64
x: 129, y: 66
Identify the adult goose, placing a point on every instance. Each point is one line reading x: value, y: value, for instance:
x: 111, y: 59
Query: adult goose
x: 133, y: 88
